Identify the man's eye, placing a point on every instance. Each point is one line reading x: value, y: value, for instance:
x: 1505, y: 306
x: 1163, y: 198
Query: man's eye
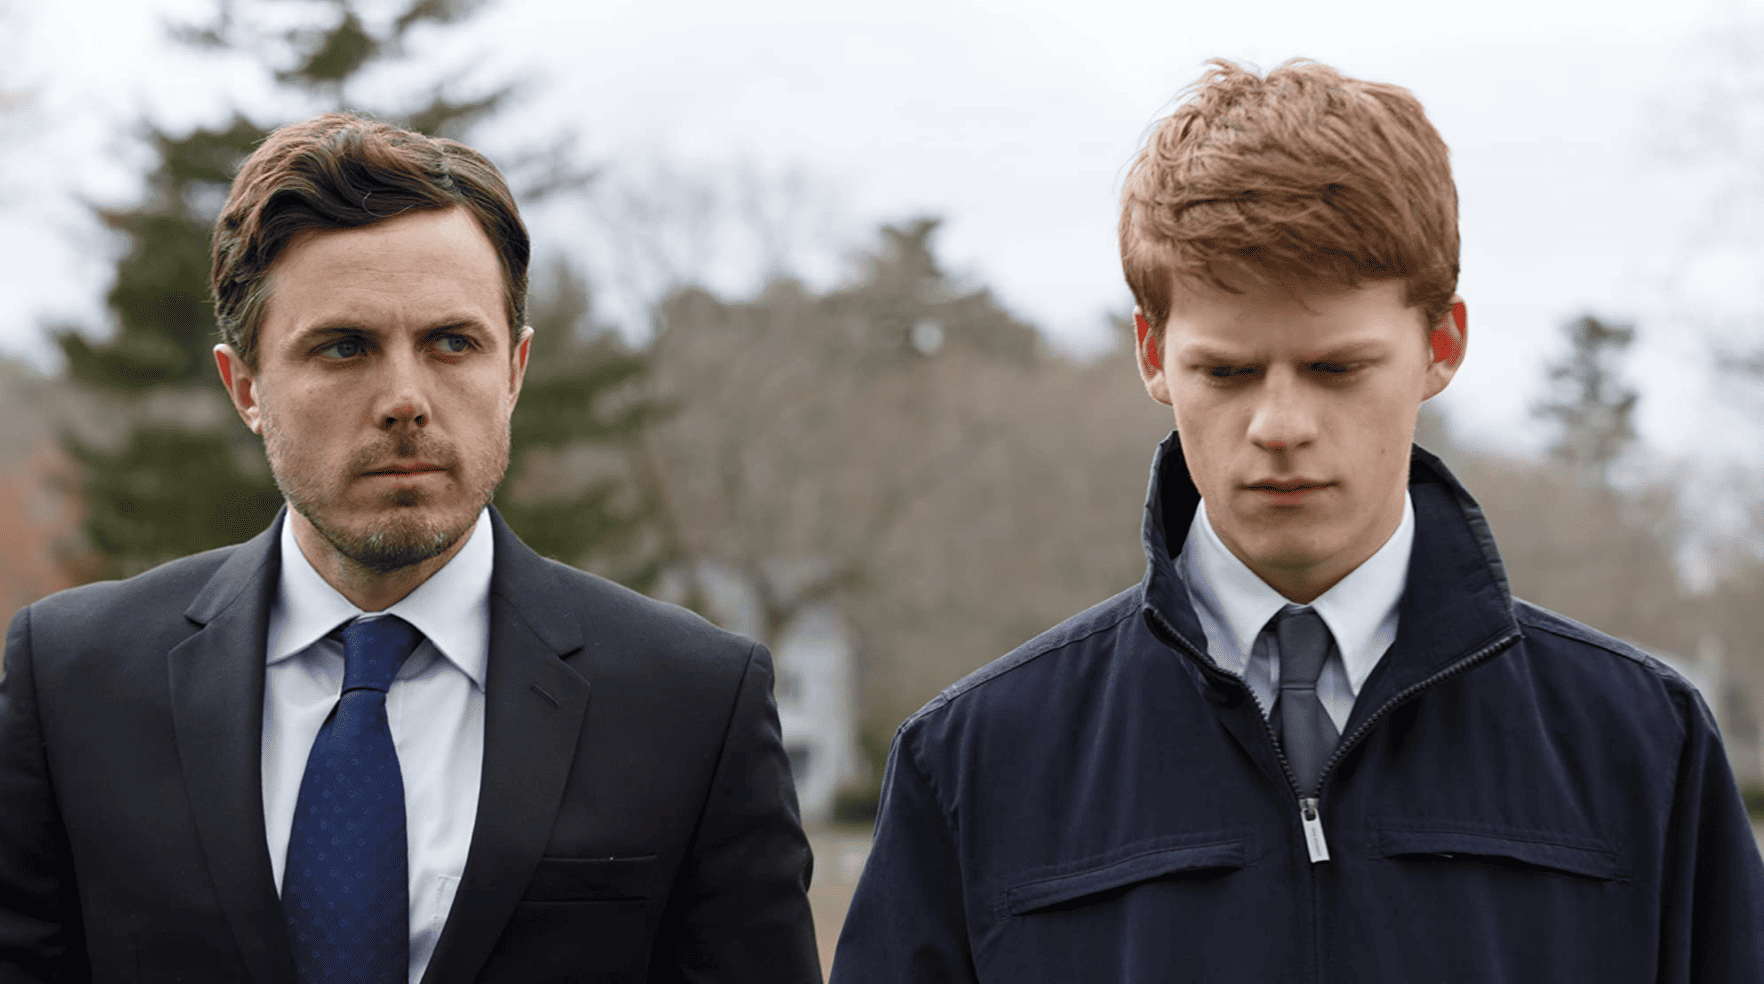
x: 1227, y: 372
x: 1332, y: 368
x: 454, y: 344
x: 346, y: 348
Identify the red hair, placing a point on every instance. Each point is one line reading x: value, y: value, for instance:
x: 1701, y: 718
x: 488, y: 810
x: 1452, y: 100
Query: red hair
x: 1302, y: 176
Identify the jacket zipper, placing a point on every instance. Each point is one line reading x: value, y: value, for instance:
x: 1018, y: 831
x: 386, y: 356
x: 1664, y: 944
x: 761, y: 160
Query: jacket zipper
x: 1311, y: 806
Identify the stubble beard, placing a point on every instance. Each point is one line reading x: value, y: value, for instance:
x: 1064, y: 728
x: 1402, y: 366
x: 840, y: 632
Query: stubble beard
x: 405, y: 535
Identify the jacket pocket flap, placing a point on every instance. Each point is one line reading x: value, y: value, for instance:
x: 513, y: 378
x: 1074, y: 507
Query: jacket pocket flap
x: 591, y: 879
x: 1540, y: 850
x: 1119, y: 873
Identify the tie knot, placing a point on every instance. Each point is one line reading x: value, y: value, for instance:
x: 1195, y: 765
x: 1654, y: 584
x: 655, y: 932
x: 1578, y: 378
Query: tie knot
x: 1304, y: 645
x: 374, y: 649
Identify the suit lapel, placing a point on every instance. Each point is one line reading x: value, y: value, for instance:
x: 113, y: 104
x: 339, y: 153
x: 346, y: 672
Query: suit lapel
x: 216, y: 680
x: 533, y: 710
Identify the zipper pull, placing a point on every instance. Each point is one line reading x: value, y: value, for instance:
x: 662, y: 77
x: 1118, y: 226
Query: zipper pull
x: 1313, y: 823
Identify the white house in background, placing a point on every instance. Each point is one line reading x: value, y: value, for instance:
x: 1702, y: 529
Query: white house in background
x: 813, y: 660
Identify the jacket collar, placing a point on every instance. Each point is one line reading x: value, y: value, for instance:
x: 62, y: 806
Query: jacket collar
x: 1457, y: 601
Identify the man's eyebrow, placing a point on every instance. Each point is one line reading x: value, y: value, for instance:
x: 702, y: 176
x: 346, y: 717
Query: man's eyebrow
x: 328, y: 328
x: 464, y: 323
x: 346, y: 327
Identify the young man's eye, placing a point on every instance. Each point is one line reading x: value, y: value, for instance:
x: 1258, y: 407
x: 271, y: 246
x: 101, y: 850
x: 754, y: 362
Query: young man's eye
x: 454, y: 344
x: 1228, y: 372
x: 1332, y: 368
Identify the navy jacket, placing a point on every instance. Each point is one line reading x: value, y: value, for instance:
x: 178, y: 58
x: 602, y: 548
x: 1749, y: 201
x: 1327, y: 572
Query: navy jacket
x: 1516, y: 797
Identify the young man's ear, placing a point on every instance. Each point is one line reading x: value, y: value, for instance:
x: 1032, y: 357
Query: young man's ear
x: 1148, y: 351
x: 1447, y: 341
x: 241, y: 384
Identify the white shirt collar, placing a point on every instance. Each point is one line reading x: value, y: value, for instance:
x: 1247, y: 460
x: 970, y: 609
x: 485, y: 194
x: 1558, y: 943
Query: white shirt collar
x: 451, y: 608
x: 1358, y: 609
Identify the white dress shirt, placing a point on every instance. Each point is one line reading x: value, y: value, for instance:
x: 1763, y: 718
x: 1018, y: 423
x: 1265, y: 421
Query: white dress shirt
x: 435, y: 709
x: 1233, y: 605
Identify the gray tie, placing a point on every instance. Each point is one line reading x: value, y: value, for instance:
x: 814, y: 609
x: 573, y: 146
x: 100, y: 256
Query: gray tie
x: 1306, y: 732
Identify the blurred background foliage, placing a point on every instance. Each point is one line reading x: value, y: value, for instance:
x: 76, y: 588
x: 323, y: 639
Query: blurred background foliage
x: 900, y: 441
x: 174, y: 473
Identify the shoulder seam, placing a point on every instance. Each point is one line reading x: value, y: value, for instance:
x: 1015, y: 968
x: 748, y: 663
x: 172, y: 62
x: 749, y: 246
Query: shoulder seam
x: 1538, y: 617
x: 1019, y: 658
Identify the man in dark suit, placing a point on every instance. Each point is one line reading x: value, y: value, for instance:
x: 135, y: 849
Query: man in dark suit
x: 384, y: 740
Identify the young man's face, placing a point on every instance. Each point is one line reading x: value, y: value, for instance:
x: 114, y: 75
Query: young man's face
x: 384, y: 385
x: 1296, y: 409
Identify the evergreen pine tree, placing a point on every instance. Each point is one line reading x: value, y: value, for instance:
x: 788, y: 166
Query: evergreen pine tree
x: 1590, y: 404
x: 179, y: 473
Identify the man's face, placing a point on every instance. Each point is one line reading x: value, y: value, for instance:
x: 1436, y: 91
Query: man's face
x: 384, y: 385
x: 1296, y: 409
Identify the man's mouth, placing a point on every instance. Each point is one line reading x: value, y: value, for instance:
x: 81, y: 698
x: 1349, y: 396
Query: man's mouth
x: 416, y: 468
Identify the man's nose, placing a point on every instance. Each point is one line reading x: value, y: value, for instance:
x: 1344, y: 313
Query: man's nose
x: 403, y: 393
x: 1285, y: 416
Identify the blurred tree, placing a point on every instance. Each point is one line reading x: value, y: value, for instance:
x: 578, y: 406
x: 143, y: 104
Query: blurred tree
x: 175, y: 472
x: 909, y: 303
x: 576, y: 490
x: 1591, y: 406
x: 952, y: 491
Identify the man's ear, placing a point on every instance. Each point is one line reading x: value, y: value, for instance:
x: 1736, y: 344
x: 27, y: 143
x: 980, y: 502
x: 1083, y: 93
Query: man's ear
x: 1448, y: 341
x: 1148, y: 351
x: 241, y: 384
x: 517, y: 364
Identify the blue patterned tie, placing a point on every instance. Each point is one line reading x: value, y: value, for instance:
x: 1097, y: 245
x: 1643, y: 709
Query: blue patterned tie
x: 345, y: 890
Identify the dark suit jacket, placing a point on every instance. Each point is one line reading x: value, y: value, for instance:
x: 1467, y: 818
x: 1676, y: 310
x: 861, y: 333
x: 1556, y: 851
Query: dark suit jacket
x: 636, y: 819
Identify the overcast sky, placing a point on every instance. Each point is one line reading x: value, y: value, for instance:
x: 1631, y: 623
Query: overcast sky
x: 1014, y: 122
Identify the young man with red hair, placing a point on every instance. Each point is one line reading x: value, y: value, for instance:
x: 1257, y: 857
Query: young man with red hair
x: 1320, y: 740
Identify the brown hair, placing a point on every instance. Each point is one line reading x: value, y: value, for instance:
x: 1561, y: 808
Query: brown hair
x: 1304, y: 175
x: 341, y: 171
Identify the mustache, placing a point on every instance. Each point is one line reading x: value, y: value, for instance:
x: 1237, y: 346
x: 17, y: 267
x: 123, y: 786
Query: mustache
x: 403, y: 447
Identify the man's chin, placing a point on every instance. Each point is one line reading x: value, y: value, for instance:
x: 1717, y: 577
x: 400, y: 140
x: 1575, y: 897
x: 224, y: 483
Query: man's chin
x: 393, y: 542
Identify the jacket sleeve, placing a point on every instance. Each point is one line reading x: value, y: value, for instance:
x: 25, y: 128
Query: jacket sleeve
x: 906, y: 921
x: 1713, y: 905
x: 40, y: 933
x: 739, y: 912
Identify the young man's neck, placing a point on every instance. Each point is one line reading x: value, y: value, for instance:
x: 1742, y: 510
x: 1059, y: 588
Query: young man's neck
x: 1303, y: 584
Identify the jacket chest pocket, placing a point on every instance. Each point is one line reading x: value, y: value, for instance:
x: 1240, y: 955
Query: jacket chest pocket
x: 1114, y: 917
x: 1465, y: 903
x: 1110, y: 878
x: 580, y: 919
x: 1536, y: 852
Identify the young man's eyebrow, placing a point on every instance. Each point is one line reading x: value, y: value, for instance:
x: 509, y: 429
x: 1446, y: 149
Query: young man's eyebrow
x: 1350, y: 352
x: 1202, y: 352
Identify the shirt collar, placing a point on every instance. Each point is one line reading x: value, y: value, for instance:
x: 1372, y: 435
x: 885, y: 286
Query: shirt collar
x: 451, y: 609
x: 1357, y: 609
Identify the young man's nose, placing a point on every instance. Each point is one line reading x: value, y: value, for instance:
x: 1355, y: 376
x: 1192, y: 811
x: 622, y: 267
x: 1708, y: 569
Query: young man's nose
x: 1285, y: 416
